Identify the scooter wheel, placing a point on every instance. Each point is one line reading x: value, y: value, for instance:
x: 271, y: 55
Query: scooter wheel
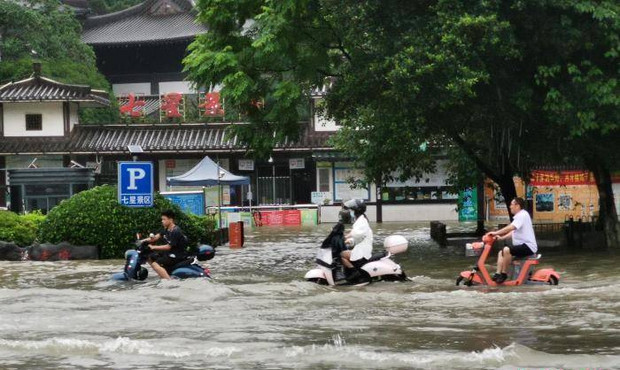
x: 553, y: 280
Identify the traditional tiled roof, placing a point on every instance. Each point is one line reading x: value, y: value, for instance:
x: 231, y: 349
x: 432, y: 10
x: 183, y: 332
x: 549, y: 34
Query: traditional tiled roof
x: 44, y: 89
x: 184, y: 138
x: 148, y: 22
x: 33, y: 145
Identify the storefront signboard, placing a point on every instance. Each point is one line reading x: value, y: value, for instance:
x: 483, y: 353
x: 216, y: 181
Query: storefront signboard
x: 192, y: 202
x: 321, y: 197
x: 468, y: 205
x: 246, y: 165
x: 296, y: 164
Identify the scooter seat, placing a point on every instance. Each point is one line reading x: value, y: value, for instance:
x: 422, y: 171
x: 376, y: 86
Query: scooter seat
x: 181, y: 264
x: 377, y: 256
x: 532, y: 257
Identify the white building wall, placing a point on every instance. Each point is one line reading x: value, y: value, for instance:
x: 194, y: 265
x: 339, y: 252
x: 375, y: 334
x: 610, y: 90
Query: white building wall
x: 400, y: 212
x: 15, y: 119
x: 321, y: 123
x: 74, y: 117
x: 176, y: 86
x: 140, y: 88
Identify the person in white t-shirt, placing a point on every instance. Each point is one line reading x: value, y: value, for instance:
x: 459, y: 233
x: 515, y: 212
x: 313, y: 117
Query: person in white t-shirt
x: 523, y: 239
x: 360, y: 237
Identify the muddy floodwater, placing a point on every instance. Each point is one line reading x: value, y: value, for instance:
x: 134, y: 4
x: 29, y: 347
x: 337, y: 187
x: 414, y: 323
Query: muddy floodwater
x: 258, y: 313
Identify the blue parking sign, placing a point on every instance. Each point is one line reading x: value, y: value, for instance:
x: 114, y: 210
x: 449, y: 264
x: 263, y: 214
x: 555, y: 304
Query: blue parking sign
x: 135, y: 184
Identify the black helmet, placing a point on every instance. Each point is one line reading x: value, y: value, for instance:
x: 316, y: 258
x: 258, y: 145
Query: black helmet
x: 358, y: 206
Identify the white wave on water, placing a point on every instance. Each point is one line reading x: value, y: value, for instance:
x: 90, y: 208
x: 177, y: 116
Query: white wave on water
x: 514, y: 355
x: 120, y: 345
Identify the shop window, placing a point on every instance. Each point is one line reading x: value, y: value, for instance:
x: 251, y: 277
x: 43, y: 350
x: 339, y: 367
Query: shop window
x: 408, y: 194
x: 34, y: 122
x: 323, y: 174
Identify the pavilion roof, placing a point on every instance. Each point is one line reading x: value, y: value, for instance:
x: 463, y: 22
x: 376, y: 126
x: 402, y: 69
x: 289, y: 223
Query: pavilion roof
x: 39, y: 89
x: 148, y: 22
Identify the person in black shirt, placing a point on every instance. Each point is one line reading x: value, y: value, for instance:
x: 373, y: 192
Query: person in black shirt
x: 166, y: 256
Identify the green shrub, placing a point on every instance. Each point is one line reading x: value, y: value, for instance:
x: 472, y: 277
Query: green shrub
x: 206, y: 226
x: 21, y: 230
x: 94, y: 217
x: 34, y: 218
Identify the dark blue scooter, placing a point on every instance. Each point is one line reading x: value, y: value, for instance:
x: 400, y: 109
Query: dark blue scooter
x: 190, y: 268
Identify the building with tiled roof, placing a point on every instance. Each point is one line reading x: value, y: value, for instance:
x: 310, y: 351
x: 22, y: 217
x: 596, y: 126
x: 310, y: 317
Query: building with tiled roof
x: 153, y: 21
x: 41, y: 89
x: 140, y: 49
x: 37, y: 115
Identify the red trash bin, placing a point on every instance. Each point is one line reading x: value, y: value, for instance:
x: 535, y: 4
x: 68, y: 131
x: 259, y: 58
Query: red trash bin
x: 235, y: 234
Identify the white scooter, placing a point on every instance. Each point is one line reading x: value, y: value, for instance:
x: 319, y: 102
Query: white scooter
x: 379, y: 267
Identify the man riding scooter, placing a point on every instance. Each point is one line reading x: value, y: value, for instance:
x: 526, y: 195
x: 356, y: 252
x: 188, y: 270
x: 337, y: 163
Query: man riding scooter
x: 360, y: 237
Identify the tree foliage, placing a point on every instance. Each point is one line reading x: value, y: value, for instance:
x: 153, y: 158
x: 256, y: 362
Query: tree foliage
x: 511, y: 85
x: 45, y: 31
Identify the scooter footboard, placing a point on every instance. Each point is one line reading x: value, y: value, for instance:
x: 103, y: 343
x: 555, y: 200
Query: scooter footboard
x: 545, y: 275
x: 384, y: 266
x: 467, y: 275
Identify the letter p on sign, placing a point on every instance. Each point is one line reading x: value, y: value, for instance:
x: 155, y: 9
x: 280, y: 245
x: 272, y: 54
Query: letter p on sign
x: 135, y: 174
x: 135, y: 184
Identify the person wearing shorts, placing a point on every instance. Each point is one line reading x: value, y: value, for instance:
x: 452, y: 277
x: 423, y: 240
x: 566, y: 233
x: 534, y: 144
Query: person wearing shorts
x: 521, y: 232
x: 164, y: 257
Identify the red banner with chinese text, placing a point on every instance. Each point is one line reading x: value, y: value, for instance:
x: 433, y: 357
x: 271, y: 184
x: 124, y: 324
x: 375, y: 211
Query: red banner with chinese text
x: 278, y: 218
x: 555, y: 178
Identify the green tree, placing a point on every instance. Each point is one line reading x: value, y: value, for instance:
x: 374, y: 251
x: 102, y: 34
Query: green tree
x: 45, y: 31
x: 474, y: 77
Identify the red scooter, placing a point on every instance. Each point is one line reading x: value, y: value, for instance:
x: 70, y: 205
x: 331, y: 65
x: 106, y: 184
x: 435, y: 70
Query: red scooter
x: 522, y: 268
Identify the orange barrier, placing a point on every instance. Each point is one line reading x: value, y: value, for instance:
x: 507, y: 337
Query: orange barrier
x: 235, y: 234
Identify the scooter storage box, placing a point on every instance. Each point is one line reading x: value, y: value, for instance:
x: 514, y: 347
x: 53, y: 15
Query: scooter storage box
x: 473, y: 249
x: 395, y: 244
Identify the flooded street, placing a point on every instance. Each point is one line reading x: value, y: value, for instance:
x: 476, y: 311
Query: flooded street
x: 258, y: 312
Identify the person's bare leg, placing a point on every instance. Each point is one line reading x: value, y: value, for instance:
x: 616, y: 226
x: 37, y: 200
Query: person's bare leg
x: 345, y: 256
x: 500, y: 261
x: 160, y: 270
x: 506, y: 260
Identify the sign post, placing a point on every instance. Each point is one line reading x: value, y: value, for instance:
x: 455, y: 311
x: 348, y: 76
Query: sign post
x: 135, y: 184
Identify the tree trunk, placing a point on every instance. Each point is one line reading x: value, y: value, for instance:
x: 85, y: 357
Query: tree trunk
x: 503, y: 177
x: 480, y: 230
x: 608, y: 215
x: 509, y: 191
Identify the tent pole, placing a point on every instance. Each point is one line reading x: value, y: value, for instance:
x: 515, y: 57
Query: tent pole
x: 219, y: 199
x: 250, y: 198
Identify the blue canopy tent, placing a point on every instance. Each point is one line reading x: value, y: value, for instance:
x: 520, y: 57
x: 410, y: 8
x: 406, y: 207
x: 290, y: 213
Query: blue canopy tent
x: 209, y: 173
